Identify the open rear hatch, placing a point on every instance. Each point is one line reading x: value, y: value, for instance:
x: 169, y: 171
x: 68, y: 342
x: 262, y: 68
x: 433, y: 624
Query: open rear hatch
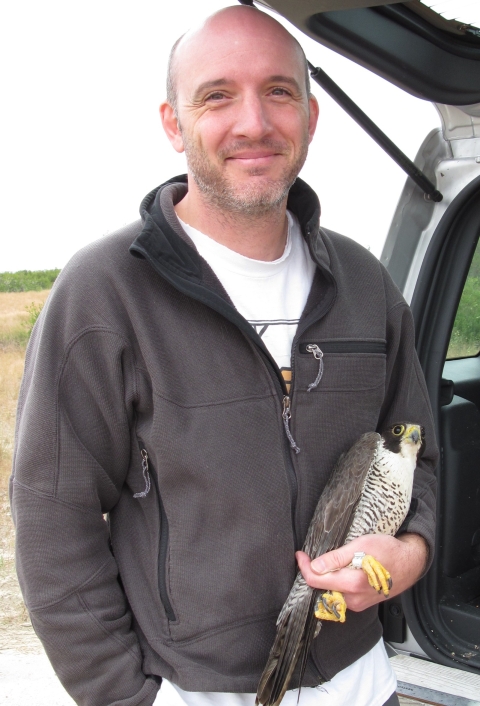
x: 406, y: 43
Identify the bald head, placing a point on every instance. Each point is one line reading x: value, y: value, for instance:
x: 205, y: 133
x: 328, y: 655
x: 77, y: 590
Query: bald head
x: 235, y: 21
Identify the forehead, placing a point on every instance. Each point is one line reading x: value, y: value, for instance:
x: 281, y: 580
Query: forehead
x: 237, y: 53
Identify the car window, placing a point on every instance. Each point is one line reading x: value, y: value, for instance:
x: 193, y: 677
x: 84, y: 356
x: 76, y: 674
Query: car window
x: 465, y: 338
x: 465, y: 13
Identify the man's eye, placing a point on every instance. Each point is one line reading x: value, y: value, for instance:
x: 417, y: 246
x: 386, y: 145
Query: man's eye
x: 280, y: 92
x: 217, y: 96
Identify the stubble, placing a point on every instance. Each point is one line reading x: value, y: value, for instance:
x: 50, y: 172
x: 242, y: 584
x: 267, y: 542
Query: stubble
x: 253, y: 198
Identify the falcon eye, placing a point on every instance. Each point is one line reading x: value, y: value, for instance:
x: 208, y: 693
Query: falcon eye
x: 398, y: 430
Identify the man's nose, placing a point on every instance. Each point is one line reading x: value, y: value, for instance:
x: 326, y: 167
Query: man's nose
x: 251, y: 119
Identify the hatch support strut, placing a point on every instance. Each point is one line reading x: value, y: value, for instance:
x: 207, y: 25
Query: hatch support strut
x: 323, y: 80
x: 333, y: 90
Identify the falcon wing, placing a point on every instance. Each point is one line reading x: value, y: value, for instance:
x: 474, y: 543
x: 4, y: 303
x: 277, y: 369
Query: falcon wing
x: 334, y: 512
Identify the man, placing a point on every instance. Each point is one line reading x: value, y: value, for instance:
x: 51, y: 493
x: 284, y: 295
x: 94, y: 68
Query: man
x: 180, y: 395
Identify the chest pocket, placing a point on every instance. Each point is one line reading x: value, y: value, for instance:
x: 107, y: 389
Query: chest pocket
x: 342, y: 365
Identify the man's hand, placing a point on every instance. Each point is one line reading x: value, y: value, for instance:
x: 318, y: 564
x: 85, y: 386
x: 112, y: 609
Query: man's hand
x: 405, y: 558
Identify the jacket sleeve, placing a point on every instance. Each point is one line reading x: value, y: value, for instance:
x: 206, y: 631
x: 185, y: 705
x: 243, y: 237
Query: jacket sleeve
x: 406, y: 399
x: 71, y: 459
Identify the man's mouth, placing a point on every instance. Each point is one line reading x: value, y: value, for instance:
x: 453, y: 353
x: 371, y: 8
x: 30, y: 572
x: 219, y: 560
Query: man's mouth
x: 254, y: 158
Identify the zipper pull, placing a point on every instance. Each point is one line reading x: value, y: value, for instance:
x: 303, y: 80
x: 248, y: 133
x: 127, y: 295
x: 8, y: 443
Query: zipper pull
x: 318, y: 355
x: 146, y: 475
x: 286, y: 416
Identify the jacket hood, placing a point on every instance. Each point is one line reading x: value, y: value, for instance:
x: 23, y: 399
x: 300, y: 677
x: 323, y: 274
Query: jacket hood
x: 164, y: 243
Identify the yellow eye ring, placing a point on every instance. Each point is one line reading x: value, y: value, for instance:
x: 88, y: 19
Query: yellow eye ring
x: 398, y: 430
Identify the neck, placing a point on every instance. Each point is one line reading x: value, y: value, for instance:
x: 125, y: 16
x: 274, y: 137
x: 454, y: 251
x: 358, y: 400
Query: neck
x: 259, y: 237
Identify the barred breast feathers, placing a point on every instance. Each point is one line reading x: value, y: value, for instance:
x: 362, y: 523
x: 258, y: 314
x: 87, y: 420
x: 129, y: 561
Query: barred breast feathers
x: 386, y: 496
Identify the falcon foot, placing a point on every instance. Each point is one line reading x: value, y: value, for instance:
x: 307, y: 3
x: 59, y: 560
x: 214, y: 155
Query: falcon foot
x: 378, y: 577
x: 331, y: 606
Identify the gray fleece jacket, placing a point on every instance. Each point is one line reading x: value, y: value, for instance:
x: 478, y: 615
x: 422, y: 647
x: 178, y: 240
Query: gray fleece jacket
x: 157, y: 499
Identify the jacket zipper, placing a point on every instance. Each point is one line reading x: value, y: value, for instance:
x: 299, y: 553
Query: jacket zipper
x: 279, y: 383
x: 149, y: 472
x: 286, y: 416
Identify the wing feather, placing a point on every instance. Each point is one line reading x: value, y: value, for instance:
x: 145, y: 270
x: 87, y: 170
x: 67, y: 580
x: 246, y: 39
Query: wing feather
x: 335, y: 509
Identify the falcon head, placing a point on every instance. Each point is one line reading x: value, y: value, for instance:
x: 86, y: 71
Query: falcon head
x: 404, y: 438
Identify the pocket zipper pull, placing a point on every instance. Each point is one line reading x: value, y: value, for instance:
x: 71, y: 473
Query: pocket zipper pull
x: 146, y: 475
x: 318, y: 355
x: 286, y: 416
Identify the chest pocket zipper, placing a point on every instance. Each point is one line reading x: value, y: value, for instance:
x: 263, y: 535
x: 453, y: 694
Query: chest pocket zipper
x: 318, y: 355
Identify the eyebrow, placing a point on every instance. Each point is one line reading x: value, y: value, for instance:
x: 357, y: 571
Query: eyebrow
x: 217, y: 83
x: 208, y: 85
x: 279, y: 78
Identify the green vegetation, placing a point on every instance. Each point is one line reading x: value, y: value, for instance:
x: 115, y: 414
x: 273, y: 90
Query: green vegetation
x: 33, y: 311
x: 27, y: 281
x: 465, y: 340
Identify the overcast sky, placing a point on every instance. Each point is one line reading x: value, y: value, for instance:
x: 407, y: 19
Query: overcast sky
x: 82, y: 143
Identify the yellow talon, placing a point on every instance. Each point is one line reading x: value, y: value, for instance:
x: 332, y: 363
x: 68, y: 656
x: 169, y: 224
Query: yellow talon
x: 331, y: 606
x: 378, y: 577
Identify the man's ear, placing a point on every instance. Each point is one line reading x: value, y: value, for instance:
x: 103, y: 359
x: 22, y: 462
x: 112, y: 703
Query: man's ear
x: 171, y: 127
x: 313, y: 114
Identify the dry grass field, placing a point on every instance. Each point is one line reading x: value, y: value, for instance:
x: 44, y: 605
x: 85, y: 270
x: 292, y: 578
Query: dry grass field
x: 15, y: 630
x: 14, y: 318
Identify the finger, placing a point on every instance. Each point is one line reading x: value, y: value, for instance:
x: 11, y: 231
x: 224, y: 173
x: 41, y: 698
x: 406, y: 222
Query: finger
x: 303, y: 561
x: 333, y: 561
x: 345, y: 580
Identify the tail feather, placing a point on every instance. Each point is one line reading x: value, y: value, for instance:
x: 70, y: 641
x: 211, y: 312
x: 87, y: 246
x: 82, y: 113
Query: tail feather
x: 311, y: 633
x: 295, y: 632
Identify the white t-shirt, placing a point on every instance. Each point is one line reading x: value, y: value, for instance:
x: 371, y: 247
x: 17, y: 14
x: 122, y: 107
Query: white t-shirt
x: 272, y: 296
x: 369, y: 681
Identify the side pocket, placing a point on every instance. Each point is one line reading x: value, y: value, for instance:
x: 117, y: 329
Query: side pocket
x: 149, y: 473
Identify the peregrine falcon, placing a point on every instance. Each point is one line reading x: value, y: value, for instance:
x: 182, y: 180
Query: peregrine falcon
x: 369, y: 492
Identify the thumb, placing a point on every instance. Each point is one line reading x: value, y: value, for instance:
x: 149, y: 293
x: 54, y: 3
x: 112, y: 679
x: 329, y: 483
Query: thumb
x: 332, y: 561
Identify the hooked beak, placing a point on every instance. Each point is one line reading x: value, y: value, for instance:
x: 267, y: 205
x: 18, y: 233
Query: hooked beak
x: 414, y: 434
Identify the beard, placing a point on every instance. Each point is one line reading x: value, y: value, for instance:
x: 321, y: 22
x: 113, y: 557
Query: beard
x: 251, y: 198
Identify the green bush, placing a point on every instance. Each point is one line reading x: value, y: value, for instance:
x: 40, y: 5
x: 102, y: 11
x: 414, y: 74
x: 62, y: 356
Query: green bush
x: 27, y: 281
x: 33, y: 314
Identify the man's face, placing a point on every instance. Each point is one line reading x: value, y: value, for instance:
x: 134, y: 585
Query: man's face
x: 245, y: 119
